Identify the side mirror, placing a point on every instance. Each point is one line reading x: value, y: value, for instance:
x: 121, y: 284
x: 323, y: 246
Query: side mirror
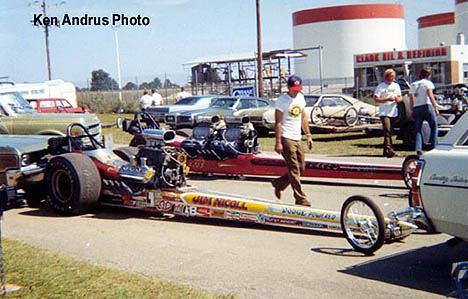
x: 118, y: 122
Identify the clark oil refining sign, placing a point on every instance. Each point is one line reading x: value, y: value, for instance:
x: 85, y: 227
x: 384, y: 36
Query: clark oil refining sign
x: 245, y: 91
x: 399, y: 56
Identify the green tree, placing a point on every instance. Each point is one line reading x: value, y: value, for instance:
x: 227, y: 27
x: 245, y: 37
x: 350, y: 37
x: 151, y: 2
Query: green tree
x: 100, y: 80
x: 130, y: 86
x: 145, y: 85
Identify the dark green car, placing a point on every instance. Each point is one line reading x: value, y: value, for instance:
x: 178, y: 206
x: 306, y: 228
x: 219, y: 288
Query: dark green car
x: 18, y: 117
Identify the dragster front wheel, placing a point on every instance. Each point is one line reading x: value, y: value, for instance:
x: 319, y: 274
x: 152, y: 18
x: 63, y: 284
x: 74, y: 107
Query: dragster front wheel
x: 363, y: 224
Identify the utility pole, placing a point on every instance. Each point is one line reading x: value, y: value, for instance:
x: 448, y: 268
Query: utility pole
x: 44, y: 7
x: 261, y: 91
x: 118, y: 67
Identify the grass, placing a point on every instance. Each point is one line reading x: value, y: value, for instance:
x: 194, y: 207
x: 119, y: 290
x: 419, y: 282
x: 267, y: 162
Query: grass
x: 351, y: 143
x: 44, y: 274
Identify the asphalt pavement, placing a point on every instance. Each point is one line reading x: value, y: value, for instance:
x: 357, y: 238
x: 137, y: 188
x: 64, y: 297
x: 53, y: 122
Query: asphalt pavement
x: 253, y: 261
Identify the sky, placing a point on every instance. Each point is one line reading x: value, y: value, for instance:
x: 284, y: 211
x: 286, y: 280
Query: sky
x: 178, y: 31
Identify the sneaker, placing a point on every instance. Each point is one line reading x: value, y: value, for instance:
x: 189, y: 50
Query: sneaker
x: 303, y: 202
x: 277, y: 191
x: 419, y: 153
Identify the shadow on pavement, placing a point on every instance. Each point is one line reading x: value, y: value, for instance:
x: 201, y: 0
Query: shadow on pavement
x: 318, y: 181
x: 426, y: 269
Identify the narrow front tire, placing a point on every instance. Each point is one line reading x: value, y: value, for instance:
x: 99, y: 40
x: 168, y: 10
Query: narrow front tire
x: 363, y: 224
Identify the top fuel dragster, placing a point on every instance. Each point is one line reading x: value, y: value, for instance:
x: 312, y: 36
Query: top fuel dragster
x: 79, y: 175
x: 216, y: 148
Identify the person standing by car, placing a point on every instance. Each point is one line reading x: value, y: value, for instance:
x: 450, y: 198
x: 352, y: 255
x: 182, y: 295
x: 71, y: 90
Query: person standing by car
x: 289, y: 119
x: 145, y: 100
x: 424, y: 108
x: 182, y: 94
x: 388, y: 95
x: 157, y: 98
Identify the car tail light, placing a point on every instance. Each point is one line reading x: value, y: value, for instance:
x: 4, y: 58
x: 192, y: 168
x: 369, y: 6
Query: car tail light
x: 415, y: 190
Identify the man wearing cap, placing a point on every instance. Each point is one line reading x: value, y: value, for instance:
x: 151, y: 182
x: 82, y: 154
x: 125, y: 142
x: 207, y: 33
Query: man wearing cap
x: 290, y: 118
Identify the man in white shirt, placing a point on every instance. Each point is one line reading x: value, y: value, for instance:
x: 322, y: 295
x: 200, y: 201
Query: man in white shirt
x: 182, y: 94
x: 290, y: 118
x: 157, y: 98
x: 145, y: 101
x: 424, y: 108
x: 388, y: 95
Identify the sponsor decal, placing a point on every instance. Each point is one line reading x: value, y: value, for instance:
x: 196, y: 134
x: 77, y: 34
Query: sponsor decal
x: 203, y: 212
x: 163, y: 205
x: 252, y: 217
x: 231, y: 215
x: 217, y: 213
x: 261, y: 218
x: 197, y: 163
x: 304, y: 213
x: 179, y: 209
x: 217, y: 202
x: 313, y: 225
x: 274, y: 220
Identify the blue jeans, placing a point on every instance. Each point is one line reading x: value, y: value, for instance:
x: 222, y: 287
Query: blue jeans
x: 427, y: 113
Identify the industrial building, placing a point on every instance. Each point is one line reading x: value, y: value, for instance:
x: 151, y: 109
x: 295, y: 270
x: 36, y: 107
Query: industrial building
x: 353, y: 49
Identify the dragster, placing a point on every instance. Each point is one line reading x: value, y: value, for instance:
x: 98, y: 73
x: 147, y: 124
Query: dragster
x: 78, y: 175
x: 233, y: 150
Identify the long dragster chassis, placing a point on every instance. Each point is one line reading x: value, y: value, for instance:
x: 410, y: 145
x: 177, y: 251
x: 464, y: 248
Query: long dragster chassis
x: 78, y: 175
x: 360, y: 220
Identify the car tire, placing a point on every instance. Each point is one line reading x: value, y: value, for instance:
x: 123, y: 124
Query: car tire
x: 316, y: 116
x: 351, y: 117
x: 407, y: 169
x: 351, y: 233
x: 73, y: 183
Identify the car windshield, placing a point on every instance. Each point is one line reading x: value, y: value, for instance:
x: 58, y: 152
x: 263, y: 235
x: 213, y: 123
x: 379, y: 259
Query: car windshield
x: 16, y: 102
x: 311, y: 100
x: 188, y: 101
x: 224, y: 103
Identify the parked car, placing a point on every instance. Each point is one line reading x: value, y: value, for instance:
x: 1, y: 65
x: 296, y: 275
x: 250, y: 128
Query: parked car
x: 18, y: 117
x: 331, y: 109
x: 337, y: 108
x: 57, y: 105
x: 186, y: 104
x: 22, y: 164
x: 222, y: 105
x: 440, y: 183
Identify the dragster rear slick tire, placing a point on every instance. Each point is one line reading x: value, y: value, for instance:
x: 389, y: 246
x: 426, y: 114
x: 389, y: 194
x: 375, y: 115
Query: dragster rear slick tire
x: 364, y: 232
x: 407, y: 169
x: 73, y: 183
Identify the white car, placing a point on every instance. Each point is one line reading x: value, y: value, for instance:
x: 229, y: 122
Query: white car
x: 440, y: 183
x: 183, y: 105
x: 323, y: 109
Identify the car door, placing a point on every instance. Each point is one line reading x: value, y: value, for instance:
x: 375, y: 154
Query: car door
x: 444, y: 188
x: 246, y: 105
x: 47, y: 106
